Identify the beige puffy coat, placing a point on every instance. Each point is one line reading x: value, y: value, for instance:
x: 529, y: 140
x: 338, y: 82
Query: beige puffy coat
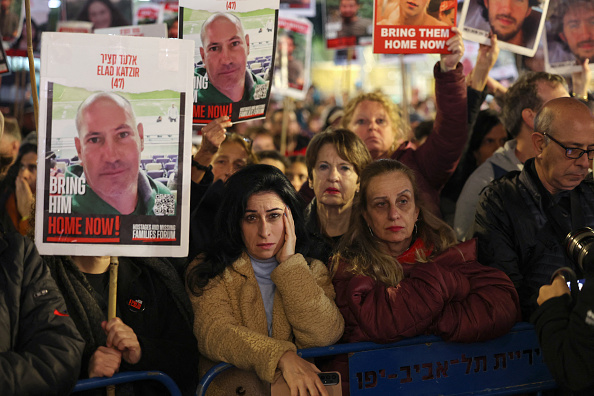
x: 230, y: 321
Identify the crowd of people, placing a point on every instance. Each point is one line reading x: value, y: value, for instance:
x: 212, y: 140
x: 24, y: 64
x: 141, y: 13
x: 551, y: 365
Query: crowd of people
x: 357, y: 232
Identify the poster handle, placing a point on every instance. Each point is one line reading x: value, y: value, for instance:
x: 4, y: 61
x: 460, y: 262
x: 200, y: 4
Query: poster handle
x: 31, y: 63
x: 112, y: 301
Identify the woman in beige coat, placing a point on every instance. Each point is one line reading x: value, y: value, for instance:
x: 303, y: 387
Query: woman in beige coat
x: 256, y: 298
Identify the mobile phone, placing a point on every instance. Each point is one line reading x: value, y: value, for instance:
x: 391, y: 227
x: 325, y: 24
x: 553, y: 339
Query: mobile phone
x: 330, y: 379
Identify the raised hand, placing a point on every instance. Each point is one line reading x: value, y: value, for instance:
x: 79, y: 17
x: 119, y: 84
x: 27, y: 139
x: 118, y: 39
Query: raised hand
x: 213, y: 134
x: 456, y: 47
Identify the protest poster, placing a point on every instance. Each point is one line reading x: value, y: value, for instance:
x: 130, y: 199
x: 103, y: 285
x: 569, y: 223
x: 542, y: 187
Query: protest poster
x: 101, y: 13
x: 170, y: 18
x: 518, y: 27
x: 348, y: 23
x: 147, y: 13
x: 234, y: 53
x: 152, y: 30
x: 74, y: 27
x: 410, y: 28
x: 293, y: 57
x: 296, y: 8
x: 12, y: 14
x: 570, y: 36
x: 114, y: 144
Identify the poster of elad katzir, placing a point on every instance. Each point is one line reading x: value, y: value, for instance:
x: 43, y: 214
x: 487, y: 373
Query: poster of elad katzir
x: 114, y: 145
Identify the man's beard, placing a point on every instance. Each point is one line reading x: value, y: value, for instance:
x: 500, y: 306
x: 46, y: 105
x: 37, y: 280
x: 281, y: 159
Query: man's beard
x: 581, y: 58
x: 508, y: 36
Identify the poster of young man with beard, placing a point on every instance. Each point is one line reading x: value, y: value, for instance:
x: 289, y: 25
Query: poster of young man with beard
x: 570, y: 36
x: 518, y: 24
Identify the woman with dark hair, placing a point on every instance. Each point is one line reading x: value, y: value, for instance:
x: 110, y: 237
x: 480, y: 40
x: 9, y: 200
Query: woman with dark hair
x: 256, y: 298
x: 334, y: 159
x: 488, y: 134
x: 102, y: 13
x: 400, y: 273
x: 17, y: 191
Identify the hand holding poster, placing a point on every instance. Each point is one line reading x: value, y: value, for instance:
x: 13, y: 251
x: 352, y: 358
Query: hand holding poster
x: 570, y: 35
x: 406, y: 27
x: 234, y: 44
x: 112, y: 182
x: 517, y: 24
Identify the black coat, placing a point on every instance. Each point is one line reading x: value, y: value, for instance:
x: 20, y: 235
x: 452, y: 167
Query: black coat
x: 40, y: 348
x: 566, y: 336
x: 153, y: 302
x: 516, y: 235
x: 321, y: 247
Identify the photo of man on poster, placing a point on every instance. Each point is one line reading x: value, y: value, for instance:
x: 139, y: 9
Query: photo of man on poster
x: 109, y: 145
x: 353, y: 25
x: 570, y: 33
x: 295, y: 67
x: 224, y: 51
x: 9, y: 19
x: 513, y: 21
x: 409, y: 13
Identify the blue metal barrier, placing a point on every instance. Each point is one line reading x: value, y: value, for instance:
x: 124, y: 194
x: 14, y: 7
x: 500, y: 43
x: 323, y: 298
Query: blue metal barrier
x: 128, y: 376
x: 507, y: 365
x: 425, y: 365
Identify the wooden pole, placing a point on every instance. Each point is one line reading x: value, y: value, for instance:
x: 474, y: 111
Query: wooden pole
x: 287, y: 108
x: 112, y: 301
x: 350, y: 56
x: 32, y: 64
x: 405, y: 99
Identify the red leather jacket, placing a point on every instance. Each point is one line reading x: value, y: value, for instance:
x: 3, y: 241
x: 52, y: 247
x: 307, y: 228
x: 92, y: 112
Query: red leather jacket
x: 452, y: 296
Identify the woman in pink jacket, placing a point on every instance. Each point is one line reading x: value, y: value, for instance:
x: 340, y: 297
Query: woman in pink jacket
x: 399, y: 271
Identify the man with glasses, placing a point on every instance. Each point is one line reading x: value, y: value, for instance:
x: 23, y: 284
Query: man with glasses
x: 523, y: 218
x: 521, y: 103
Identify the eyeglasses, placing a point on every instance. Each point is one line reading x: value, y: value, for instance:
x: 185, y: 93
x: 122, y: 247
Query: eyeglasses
x: 572, y: 152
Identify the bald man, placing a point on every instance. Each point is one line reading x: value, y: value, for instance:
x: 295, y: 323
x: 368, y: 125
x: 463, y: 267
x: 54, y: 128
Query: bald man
x: 523, y: 217
x: 109, y: 145
x: 224, y: 51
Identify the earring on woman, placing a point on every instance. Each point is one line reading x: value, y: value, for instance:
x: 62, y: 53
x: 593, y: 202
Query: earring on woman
x: 370, y: 230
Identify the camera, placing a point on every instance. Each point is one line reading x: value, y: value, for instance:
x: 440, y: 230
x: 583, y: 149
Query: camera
x: 579, y: 245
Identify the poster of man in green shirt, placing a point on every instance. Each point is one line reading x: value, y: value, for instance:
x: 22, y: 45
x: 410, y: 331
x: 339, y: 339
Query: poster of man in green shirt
x: 234, y: 58
x: 109, y: 145
x: 225, y: 48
